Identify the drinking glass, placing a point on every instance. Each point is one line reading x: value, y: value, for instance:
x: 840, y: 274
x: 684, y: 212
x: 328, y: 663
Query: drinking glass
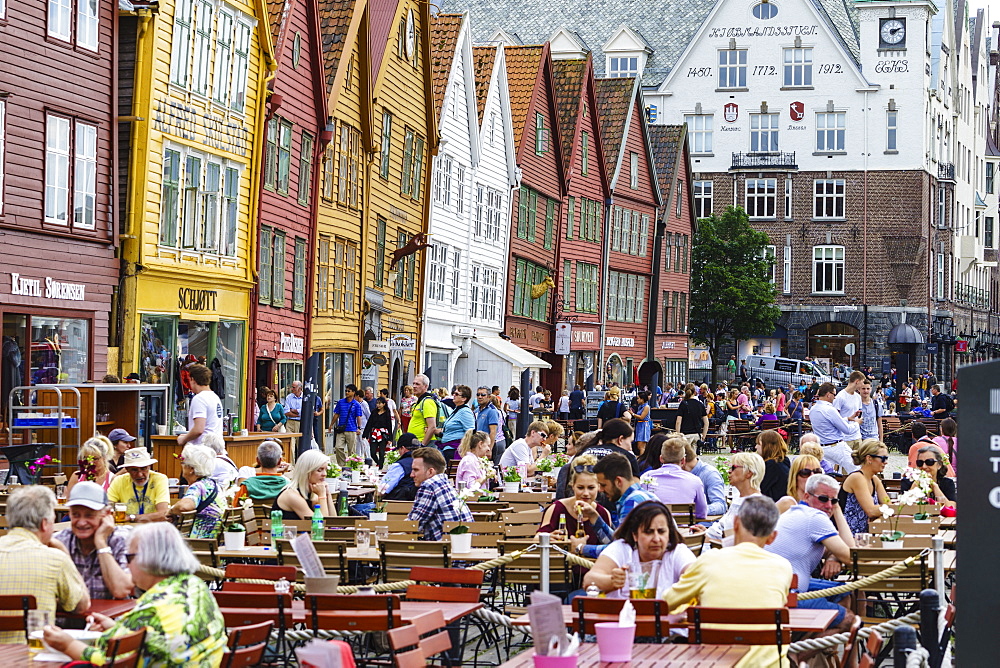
x: 61, y: 493
x: 362, y: 539
x: 37, y: 620
x: 863, y: 539
x: 381, y: 533
x: 120, y: 510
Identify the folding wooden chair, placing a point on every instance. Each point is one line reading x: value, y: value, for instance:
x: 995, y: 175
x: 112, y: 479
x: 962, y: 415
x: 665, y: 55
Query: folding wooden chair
x: 484, y: 534
x: 521, y: 501
x: 247, y: 645
x: 694, y: 541
x: 522, y: 524
x: 739, y: 632
x: 870, y: 651
x: 683, y: 513
x: 851, y: 646
x: 185, y: 522
x: 338, y: 612
x: 333, y: 555
x: 650, y: 620
x: 898, y: 594
x: 397, y: 557
x: 16, y: 622
x: 125, y: 651
x: 421, y: 636
x: 204, y: 551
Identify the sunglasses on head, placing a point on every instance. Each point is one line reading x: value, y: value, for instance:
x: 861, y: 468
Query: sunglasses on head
x: 884, y: 458
x: 823, y: 498
x: 583, y: 468
x: 927, y: 462
x: 805, y: 473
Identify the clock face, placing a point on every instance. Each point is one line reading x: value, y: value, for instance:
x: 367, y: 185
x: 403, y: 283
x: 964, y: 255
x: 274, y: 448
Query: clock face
x: 411, y: 35
x: 893, y: 31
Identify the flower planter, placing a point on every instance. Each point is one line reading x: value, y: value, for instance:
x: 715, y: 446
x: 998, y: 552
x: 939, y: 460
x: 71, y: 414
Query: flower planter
x: 235, y: 540
x: 461, y: 543
x: 378, y: 517
x: 512, y: 486
x: 892, y: 544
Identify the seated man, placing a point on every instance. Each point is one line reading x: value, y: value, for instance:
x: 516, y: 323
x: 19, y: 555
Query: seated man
x: 263, y: 487
x: 742, y: 576
x: 672, y: 484
x: 809, y: 530
x: 31, y: 563
x: 397, y: 485
x: 97, y: 549
x: 145, y: 492
x: 435, y: 501
x: 711, y: 480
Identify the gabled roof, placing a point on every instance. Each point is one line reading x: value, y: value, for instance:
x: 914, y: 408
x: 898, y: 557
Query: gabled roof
x: 275, y: 13
x: 614, y: 104
x: 444, y: 31
x: 991, y: 146
x: 383, y: 16
x: 523, y: 63
x: 483, y: 58
x: 568, y: 79
x: 335, y: 19
x: 666, y: 145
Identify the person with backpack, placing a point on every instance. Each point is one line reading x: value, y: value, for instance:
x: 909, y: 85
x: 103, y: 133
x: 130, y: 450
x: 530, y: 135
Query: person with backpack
x: 941, y: 404
x: 490, y: 420
x: 871, y: 413
x: 425, y: 411
x: 613, y: 408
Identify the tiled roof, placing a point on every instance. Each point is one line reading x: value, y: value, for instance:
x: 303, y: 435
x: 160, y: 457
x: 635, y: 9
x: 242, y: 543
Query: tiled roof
x: 568, y: 77
x: 275, y: 11
x: 522, y: 72
x: 665, y: 142
x: 335, y: 19
x: 483, y: 58
x: 614, y: 105
x: 668, y: 26
x: 444, y: 42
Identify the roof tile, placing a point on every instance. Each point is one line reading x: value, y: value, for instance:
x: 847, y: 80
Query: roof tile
x: 614, y: 104
x: 444, y: 43
x: 522, y: 72
x: 335, y: 20
x: 568, y: 77
x: 275, y: 12
x: 483, y: 58
x: 665, y: 141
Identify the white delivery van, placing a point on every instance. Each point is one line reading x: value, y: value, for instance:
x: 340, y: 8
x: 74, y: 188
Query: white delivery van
x: 780, y: 371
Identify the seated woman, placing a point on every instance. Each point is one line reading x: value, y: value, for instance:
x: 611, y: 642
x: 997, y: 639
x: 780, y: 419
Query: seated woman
x: 204, y: 495
x: 746, y: 470
x: 803, y: 468
x: 583, y: 485
x: 647, y: 557
x: 183, y: 624
x: 772, y: 448
x: 474, y: 446
x: 306, y: 489
x: 813, y: 448
x: 862, y: 491
x: 650, y: 460
x: 768, y: 414
x: 92, y: 458
x: 930, y: 459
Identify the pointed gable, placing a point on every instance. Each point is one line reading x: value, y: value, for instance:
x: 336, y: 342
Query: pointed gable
x: 568, y: 78
x: 335, y: 21
x: 383, y: 18
x: 444, y: 32
x: 614, y: 101
x: 275, y: 16
x: 666, y: 146
x: 483, y: 58
x: 523, y: 65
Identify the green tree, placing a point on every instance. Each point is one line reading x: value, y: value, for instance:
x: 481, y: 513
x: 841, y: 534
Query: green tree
x: 732, y: 297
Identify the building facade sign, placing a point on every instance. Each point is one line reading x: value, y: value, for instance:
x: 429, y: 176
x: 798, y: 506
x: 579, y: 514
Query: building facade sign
x: 530, y: 336
x: 620, y: 341
x: 402, y: 342
x: 32, y: 287
x: 289, y: 343
x: 180, y: 120
x: 564, y: 334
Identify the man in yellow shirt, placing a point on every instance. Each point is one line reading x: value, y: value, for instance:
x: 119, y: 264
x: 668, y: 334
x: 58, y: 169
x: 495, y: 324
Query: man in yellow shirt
x: 31, y: 563
x: 145, y: 492
x: 742, y: 576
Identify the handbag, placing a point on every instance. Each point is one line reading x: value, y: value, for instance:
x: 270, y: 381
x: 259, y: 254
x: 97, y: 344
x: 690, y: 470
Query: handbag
x: 282, y: 429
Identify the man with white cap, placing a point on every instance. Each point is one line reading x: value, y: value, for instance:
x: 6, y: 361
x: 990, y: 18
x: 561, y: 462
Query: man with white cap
x: 97, y: 550
x: 145, y: 492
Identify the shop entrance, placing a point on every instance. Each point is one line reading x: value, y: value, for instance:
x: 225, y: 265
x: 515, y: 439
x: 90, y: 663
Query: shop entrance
x: 829, y: 340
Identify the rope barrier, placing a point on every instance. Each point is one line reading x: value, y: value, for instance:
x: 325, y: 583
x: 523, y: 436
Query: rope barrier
x: 918, y: 658
x: 574, y: 559
x: 829, y: 642
x: 848, y: 587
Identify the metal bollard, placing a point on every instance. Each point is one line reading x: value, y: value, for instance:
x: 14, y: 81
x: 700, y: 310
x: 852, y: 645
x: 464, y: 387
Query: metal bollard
x: 937, y: 547
x: 930, y: 637
x: 545, y: 550
x: 905, y: 639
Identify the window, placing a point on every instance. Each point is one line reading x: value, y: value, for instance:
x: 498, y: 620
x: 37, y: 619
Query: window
x: 699, y: 132
x: 299, y: 275
x: 733, y: 68
x: 988, y: 231
x: 541, y: 135
x: 278, y: 268
x: 484, y: 293
x: 526, y: 275
x: 413, y: 164
x: 230, y: 210
x: 383, y: 165
x: 990, y: 173
x: 550, y: 223
x: 489, y: 210
x: 207, y: 210
x: 586, y: 287
x: 323, y: 274
x: 703, y: 198
x: 180, y: 50
x: 210, y: 206
x: 442, y: 180
x: 84, y: 177
x: 570, y: 211
x: 527, y: 207
x: 456, y: 270
x: 760, y: 198
x: 786, y: 270
x: 170, y: 197
x: 57, y: 170
x: 329, y: 158
x: 765, y: 10
x: 679, y: 200
x: 271, y: 154
x: 284, y: 156
x: 828, y: 200
x: 202, y: 47
x: 830, y: 131
x: 87, y: 23
x: 891, y: 117
x: 770, y: 253
x: 241, y: 64
x: 345, y: 272
x: 460, y: 188
x: 380, y: 243
x: 828, y: 269
x: 305, y: 169
x: 627, y: 66
x: 68, y: 161
x: 633, y: 180
x: 406, y: 269
x: 3, y: 9
x: 590, y: 219
x: 60, y: 19
x: 788, y: 199
x: 798, y: 67
x: 264, y: 275
x: 763, y: 133
x: 349, y: 167
x: 940, y: 276
x: 668, y: 250
x: 436, y: 278
x: 626, y: 297
x: 584, y: 153
x: 3, y: 111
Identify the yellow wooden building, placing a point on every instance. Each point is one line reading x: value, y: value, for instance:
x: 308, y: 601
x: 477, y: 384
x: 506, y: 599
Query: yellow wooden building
x: 196, y: 105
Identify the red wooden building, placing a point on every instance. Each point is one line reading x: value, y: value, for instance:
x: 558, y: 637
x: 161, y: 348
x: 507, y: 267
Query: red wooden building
x: 295, y: 140
x: 58, y: 211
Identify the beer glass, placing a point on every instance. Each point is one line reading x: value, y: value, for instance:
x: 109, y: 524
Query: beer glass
x: 120, y: 513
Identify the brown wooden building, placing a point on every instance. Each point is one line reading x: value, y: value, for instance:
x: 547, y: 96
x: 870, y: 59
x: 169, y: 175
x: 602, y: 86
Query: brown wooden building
x: 58, y: 216
x: 295, y: 141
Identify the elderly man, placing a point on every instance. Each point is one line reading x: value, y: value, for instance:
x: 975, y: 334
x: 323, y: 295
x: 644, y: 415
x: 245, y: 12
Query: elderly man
x: 809, y: 530
x: 742, y: 576
x: 293, y: 407
x: 435, y: 501
x: 672, y: 484
x: 833, y: 429
x: 265, y: 486
x: 711, y: 479
x: 98, y: 551
x: 145, y: 492
x: 32, y: 564
x: 423, y: 415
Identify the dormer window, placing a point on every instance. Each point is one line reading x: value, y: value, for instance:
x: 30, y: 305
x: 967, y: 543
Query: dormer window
x: 626, y: 66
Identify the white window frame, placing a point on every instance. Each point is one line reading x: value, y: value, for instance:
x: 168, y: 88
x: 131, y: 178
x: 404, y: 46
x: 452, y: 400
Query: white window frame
x: 770, y: 255
x: 828, y: 266
x: 241, y: 65
x: 831, y: 131
x: 700, y: 132
x: 57, y: 157
x: 60, y: 19
x: 703, y: 194
x: 891, y: 129
x: 442, y: 180
x: 180, y: 49
x: 788, y: 199
x: 764, y: 132
x: 763, y: 193
x: 436, y: 263
x: 3, y: 9
x: 623, y: 66
x: 455, y: 271
x: 786, y: 270
x: 85, y: 176
x: 88, y: 27
x: 633, y: 180
x: 940, y: 276
x: 202, y: 52
x: 460, y: 188
x: 214, y: 214
x: 829, y: 199
x: 732, y: 68
x: 797, y: 67
x: 3, y: 137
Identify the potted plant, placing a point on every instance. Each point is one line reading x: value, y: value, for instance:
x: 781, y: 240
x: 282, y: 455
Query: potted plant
x: 378, y: 512
x: 333, y: 473
x: 235, y: 536
x: 461, y: 539
x: 355, y: 463
x: 511, y: 479
x: 891, y: 538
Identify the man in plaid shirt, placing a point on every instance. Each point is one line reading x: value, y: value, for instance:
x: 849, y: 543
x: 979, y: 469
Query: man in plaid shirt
x: 435, y: 502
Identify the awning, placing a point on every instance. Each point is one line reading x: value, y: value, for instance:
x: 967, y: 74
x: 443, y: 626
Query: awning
x: 511, y: 352
x: 905, y: 333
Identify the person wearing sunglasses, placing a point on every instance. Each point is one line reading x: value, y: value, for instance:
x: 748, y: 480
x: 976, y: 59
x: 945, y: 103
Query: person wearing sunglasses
x: 863, y: 491
x: 813, y: 531
x: 930, y: 459
x: 802, y: 469
x: 746, y: 471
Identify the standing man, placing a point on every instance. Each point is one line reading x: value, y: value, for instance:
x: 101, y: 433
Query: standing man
x: 204, y: 414
x: 435, y: 501
x: 293, y: 407
x: 731, y: 368
x: 490, y: 420
x: 692, y: 417
x: 941, y: 404
x: 577, y: 403
x: 370, y: 399
x: 848, y: 404
x: 871, y: 414
x: 423, y: 416
x: 345, y: 424
x: 535, y: 398
x: 832, y: 428
x: 744, y: 371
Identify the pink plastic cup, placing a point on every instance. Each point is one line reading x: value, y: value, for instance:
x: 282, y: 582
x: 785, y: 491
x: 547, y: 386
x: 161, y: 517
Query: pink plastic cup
x: 554, y: 661
x: 614, y: 642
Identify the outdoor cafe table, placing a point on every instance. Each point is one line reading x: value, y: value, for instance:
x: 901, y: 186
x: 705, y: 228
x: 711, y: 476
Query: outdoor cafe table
x: 266, y: 552
x: 17, y: 655
x: 408, y: 610
x: 806, y: 620
x: 643, y: 656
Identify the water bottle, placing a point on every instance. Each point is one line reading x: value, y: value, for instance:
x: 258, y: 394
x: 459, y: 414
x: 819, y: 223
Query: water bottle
x: 277, y: 527
x: 342, y: 499
x: 317, y: 523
